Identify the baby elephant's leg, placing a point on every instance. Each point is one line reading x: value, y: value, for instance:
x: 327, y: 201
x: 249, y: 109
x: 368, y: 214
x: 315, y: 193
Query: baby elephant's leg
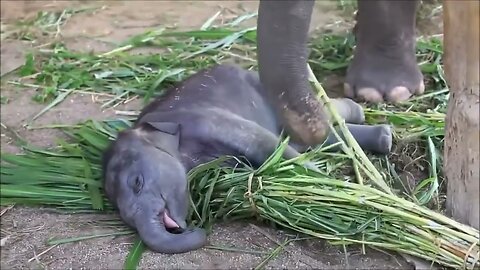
x: 349, y: 110
x: 372, y: 138
x: 245, y: 137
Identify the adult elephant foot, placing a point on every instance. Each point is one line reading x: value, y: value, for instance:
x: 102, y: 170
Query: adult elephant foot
x: 384, y: 66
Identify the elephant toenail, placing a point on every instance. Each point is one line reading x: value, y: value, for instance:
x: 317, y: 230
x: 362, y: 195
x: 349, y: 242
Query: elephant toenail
x: 370, y: 95
x: 348, y: 91
x: 398, y: 94
x: 421, y: 88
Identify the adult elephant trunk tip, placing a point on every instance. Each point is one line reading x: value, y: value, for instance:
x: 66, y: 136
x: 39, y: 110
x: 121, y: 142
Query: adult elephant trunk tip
x: 309, y: 126
x: 282, y: 35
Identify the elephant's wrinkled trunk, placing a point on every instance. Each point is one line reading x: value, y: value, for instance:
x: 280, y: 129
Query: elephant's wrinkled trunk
x: 153, y: 232
x: 282, y: 35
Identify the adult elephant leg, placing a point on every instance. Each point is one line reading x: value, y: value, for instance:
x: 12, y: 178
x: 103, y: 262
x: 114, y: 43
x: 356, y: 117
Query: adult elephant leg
x: 384, y: 66
x: 282, y: 34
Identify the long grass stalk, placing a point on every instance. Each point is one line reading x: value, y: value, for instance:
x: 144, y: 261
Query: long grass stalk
x: 355, y: 148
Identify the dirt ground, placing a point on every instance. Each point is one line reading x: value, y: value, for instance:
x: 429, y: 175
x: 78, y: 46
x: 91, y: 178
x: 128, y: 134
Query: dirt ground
x: 25, y: 230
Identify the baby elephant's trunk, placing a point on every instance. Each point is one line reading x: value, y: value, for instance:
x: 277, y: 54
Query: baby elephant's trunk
x: 154, y: 234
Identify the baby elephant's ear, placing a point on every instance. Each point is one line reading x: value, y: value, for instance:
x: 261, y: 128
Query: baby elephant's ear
x: 166, y: 135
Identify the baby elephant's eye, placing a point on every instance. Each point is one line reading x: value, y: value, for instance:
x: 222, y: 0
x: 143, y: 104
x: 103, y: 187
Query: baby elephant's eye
x: 138, y: 184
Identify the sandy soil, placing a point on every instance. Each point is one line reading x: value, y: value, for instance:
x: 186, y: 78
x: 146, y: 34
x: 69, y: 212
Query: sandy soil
x: 26, y: 230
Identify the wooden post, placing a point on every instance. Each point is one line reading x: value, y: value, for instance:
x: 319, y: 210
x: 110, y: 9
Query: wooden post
x: 462, y: 132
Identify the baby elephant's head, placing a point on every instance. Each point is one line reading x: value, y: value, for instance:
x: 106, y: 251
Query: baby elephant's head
x: 145, y: 180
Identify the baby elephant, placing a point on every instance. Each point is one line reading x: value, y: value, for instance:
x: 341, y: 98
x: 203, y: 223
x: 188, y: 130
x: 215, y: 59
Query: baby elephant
x: 218, y: 111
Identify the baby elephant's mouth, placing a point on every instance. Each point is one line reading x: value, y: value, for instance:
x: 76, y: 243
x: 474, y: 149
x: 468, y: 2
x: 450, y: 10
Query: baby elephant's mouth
x: 170, y: 224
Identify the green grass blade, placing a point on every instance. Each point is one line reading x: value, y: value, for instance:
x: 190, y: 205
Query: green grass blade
x: 134, y: 255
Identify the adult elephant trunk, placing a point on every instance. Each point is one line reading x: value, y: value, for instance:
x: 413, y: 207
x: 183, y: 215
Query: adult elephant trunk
x: 152, y: 231
x: 282, y: 34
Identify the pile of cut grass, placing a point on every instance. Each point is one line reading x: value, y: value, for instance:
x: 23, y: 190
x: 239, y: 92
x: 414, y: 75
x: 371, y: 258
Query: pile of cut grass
x: 418, y: 123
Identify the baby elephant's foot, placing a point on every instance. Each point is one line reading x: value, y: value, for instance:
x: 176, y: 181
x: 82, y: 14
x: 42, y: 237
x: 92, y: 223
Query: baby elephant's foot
x: 349, y: 110
x: 385, y: 137
x: 383, y: 74
x: 372, y: 138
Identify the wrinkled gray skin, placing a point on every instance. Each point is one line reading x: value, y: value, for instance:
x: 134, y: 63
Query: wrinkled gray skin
x: 383, y: 68
x: 216, y: 112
